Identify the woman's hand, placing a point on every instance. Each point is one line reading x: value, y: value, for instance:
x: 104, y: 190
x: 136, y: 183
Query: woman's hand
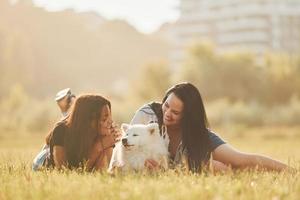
x: 151, y: 165
x: 108, y: 135
x: 113, y: 136
x: 109, y: 140
x: 116, y: 131
x: 102, y: 144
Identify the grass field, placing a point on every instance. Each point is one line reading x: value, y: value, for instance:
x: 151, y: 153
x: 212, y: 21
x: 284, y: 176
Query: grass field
x: 17, y: 181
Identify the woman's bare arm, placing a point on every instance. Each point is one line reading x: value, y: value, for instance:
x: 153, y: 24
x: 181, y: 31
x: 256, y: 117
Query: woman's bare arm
x: 230, y: 156
x: 59, y: 156
x: 102, y: 150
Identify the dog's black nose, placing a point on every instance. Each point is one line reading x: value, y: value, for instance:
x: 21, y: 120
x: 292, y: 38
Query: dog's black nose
x: 124, y: 141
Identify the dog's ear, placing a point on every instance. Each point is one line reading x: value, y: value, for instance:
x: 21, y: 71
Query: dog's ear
x: 152, y: 128
x: 125, y: 127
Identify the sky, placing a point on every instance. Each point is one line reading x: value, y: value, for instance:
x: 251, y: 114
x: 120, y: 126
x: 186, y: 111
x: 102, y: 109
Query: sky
x: 145, y: 15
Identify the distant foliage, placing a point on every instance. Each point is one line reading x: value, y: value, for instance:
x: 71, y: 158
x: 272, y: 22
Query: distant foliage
x: 21, y: 114
x: 240, y: 88
x: 224, y: 113
x: 241, y: 76
x: 152, y: 82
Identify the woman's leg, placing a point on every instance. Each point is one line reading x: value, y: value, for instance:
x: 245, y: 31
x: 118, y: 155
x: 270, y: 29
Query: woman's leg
x: 230, y: 156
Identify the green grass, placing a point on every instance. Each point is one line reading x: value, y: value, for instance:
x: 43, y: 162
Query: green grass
x: 17, y: 181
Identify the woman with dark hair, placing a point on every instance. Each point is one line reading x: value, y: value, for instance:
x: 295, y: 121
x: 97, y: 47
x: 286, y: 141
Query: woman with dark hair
x: 182, y: 118
x: 86, y: 137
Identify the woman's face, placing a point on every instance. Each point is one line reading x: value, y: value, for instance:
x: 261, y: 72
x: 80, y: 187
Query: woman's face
x: 172, y: 110
x: 105, y: 121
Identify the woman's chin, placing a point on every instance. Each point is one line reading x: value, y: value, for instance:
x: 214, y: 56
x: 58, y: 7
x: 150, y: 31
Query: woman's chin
x: 168, y: 123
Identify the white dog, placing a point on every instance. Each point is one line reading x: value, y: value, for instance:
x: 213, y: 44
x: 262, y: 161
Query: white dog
x: 139, y: 143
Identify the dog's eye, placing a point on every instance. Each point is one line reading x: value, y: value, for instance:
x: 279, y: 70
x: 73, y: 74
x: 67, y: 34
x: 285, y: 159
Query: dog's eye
x: 135, y: 135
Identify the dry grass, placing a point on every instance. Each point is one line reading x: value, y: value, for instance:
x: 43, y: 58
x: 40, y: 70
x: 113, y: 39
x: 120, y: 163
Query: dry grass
x: 17, y: 181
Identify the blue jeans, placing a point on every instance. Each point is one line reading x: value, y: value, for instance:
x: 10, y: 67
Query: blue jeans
x: 39, y: 160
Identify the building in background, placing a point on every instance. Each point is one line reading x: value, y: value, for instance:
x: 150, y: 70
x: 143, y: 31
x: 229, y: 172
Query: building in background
x: 255, y: 25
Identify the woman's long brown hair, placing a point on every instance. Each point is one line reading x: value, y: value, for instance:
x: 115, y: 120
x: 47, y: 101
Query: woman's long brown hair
x: 80, y: 134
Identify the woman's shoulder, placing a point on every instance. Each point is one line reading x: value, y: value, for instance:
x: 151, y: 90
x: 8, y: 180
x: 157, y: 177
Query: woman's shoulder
x: 144, y: 114
x: 215, y: 139
x: 59, y: 127
x: 146, y: 108
x: 211, y: 132
x: 59, y: 132
x: 150, y: 107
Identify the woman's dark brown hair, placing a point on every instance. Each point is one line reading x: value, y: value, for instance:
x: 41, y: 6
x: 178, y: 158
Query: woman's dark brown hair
x: 194, y: 124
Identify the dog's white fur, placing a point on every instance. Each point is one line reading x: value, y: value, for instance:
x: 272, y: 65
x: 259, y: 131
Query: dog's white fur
x: 139, y: 143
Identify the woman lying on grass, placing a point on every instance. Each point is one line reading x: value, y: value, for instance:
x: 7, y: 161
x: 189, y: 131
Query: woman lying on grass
x: 85, y: 138
x: 183, y: 118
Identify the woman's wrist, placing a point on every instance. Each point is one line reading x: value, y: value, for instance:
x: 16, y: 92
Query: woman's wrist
x: 99, y: 146
x: 105, y: 147
x: 102, y: 145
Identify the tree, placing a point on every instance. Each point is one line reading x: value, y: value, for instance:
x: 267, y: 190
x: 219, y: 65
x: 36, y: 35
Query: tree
x: 152, y: 82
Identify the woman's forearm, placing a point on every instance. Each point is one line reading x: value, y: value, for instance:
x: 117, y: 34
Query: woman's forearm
x: 230, y: 156
x: 265, y: 162
x: 103, y: 160
x: 96, y: 150
x: 59, y: 156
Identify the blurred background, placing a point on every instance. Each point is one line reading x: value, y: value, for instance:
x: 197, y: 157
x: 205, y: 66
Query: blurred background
x: 243, y: 55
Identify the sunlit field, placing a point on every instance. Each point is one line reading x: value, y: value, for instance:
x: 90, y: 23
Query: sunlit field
x: 17, y: 181
x: 250, y: 87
